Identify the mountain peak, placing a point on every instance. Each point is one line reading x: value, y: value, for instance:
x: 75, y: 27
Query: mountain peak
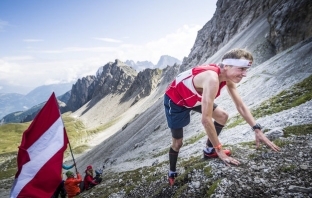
x: 166, y: 60
x: 163, y: 62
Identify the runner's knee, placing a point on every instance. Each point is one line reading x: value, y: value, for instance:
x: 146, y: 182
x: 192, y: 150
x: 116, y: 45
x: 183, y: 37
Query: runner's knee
x: 176, y: 145
x: 221, y: 117
x: 225, y: 116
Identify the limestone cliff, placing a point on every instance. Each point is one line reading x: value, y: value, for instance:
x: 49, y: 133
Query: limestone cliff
x: 289, y: 22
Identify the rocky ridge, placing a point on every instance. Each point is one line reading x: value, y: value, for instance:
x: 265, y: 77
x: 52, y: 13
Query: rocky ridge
x: 164, y: 61
x: 115, y: 79
x: 143, y: 85
x: 287, y: 20
x: 167, y: 60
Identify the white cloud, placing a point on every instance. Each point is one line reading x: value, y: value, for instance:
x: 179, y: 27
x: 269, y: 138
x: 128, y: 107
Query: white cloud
x: 77, y: 49
x: 177, y: 44
x: 110, y: 40
x: 68, y: 64
x: 10, y: 72
x: 17, y: 58
x: 32, y: 40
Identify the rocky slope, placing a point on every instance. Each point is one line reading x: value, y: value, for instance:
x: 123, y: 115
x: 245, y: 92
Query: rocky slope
x: 262, y: 173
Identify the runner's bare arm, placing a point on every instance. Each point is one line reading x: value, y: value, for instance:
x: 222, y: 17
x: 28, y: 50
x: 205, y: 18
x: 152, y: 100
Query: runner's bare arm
x: 210, y: 86
x: 240, y: 106
x: 245, y: 113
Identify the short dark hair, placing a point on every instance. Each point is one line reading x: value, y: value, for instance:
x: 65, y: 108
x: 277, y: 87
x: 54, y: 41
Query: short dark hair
x: 237, y: 53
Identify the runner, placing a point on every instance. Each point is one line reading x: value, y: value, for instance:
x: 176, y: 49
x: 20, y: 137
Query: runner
x: 196, y: 89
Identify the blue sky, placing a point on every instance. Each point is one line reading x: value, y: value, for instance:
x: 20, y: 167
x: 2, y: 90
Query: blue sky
x: 53, y: 41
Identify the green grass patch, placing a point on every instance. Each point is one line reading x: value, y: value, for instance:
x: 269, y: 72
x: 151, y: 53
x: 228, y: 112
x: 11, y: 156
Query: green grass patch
x: 250, y: 144
x: 104, y: 126
x: 213, y: 187
x: 235, y: 121
x: 75, y: 130
x: 9, y: 167
x: 180, y: 191
x: 80, y: 149
x: 292, y: 97
x: 161, y: 153
x: 298, y: 130
x: 281, y: 143
x: 194, y: 139
x: 140, y: 158
x: 12, y: 136
x: 289, y: 98
x: 207, y: 171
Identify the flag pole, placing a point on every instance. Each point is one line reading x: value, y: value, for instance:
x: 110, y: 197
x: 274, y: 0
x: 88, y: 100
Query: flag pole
x: 72, y: 156
x: 66, y: 134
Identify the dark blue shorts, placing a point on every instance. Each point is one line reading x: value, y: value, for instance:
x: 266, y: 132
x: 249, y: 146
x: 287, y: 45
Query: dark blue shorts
x: 178, y: 116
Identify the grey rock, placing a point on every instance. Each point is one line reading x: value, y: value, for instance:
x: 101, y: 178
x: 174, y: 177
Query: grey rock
x: 275, y: 133
x: 300, y: 189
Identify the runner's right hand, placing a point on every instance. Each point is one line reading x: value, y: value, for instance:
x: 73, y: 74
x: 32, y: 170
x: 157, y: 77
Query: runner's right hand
x: 226, y: 159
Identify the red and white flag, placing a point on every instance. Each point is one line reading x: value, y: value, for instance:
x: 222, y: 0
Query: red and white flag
x: 40, y: 155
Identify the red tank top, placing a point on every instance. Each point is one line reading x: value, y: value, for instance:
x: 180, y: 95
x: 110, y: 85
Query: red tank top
x: 182, y: 90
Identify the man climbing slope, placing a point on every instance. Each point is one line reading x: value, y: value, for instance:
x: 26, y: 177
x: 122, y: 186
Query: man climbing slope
x: 196, y: 89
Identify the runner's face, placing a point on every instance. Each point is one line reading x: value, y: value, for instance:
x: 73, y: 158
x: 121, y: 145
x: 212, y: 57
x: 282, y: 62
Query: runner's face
x: 236, y: 74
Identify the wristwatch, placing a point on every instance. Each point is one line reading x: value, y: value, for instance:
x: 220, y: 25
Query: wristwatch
x: 257, y: 126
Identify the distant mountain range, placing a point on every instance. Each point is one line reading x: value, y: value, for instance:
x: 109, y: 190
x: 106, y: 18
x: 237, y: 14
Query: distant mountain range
x: 15, y: 106
x: 13, y: 102
x: 163, y: 62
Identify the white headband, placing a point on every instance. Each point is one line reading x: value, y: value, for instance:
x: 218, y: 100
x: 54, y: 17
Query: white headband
x: 237, y: 62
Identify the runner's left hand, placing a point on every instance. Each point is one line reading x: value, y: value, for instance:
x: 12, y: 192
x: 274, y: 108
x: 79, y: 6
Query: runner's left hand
x: 260, y: 137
